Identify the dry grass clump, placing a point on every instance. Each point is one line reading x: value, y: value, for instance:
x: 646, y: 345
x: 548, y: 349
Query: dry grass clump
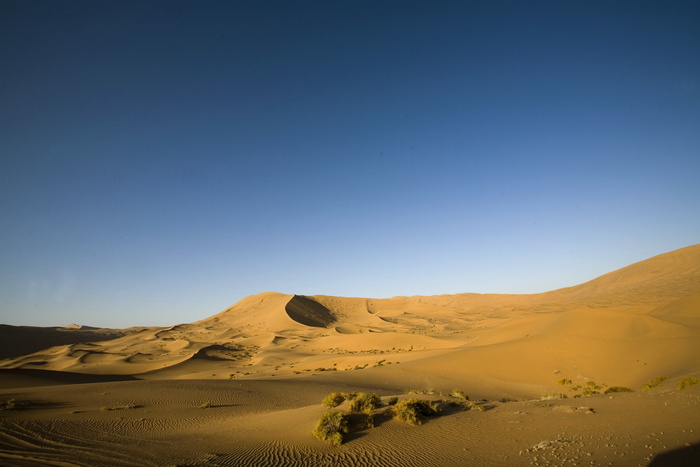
x: 564, y: 382
x: 414, y: 411
x: 654, y: 383
x: 364, y: 402
x: 459, y: 394
x: 9, y: 404
x: 330, y: 427
x: 429, y: 392
x: 553, y: 395
x: 206, y: 405
x: 612, y: 389
x: 333, y: 399
x: 687, y: 381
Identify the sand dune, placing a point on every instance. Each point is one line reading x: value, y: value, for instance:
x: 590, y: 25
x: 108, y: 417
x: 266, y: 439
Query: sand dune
x: 265, y: 363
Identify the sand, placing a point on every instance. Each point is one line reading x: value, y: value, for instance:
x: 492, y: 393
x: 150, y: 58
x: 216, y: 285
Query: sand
x: 262, y: 367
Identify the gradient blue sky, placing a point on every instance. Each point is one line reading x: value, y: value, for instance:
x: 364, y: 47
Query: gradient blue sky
x: 161, y: 160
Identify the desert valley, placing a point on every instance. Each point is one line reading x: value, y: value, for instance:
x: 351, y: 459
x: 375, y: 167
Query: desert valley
x: 602, y: 373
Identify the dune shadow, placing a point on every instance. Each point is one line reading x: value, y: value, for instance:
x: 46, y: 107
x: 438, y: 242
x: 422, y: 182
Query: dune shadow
x: 309, y: 312
x: 679, y: 457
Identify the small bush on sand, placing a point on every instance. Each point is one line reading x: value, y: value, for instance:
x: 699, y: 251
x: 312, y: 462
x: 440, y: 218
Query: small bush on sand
x: 413, y: 411
x: 364, y: 402
x: 459, y: 394
x: 553, y: 395
x: 392, y: 400
x: 612, y: 389
x: 9, y: 404
x: 688, y: 381
x: 206, y: 405
x: 330, y: 427
x: 564, y: 382
x: 654, y: 383
x: 333, y: 400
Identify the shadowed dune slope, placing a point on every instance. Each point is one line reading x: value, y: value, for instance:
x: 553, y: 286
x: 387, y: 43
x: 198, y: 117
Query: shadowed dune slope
x: 308, y: 312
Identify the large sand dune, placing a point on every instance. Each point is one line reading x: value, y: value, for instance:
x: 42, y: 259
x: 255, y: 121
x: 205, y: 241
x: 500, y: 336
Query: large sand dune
x: 266, y: 362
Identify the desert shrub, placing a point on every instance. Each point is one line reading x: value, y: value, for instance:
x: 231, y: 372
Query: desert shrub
x: 553, y: 395
x: 430, y: 391
x: 413, y: 411
x: 393, y: 400
x: 330, y: 427
x: 369, y: 418
x: 333, y: 400
x: 593, y: 386
x: 475, y: 406
x: 654, y: 383
x: 612, y: 389
x: 688, y: 381
x: 467, y: 405
x: 459, y: 394
x: 564, y: 381
x: 9, y: 404
x: 364, y: 402
x: 206, y: 405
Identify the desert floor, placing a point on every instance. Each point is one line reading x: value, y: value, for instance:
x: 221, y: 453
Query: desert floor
x: 244, y: 387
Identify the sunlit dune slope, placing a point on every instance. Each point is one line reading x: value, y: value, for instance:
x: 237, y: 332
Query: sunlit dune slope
x: 621, y: 328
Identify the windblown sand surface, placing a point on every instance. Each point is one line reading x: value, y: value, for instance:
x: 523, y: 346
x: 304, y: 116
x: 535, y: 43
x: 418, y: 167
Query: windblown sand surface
x: 265, y: 364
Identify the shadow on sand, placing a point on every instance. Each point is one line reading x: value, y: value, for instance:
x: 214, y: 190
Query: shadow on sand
x: 679, y: 457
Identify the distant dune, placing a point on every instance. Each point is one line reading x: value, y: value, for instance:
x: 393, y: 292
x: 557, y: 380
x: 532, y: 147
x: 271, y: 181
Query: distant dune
x: 621, y: 329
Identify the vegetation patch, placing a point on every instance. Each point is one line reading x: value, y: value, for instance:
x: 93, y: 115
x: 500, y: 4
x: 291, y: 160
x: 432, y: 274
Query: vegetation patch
x: 9, y: 404
x: 613, y: 389
x: 654, y: 383
x: 414, y: 411
x: 331, y: 427
x: 364, y: 402
x: 553, y: 395
x: 687, y: 381
x: 333, y: 400
x: 459, y: 394
x: 206, y: 405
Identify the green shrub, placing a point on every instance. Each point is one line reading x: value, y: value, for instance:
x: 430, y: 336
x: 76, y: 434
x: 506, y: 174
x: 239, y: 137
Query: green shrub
x: 654, y: 383
x: 475, y: 406
x: 333, y: 400
x: 612, y: 389
x: 9, y: 404
x: 331, y: 427
x: 459, y: 394
x: 413, y: 411
x: 688, y: 381
x: 593, y: 385
x: 364, y: 402
x: 553, y: 395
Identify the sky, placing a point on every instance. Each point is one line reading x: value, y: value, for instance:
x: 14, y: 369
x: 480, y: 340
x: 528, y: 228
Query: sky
x: 161, y: 160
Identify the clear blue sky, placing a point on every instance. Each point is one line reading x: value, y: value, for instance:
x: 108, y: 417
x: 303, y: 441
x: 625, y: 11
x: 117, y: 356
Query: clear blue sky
x: 161, y: 160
